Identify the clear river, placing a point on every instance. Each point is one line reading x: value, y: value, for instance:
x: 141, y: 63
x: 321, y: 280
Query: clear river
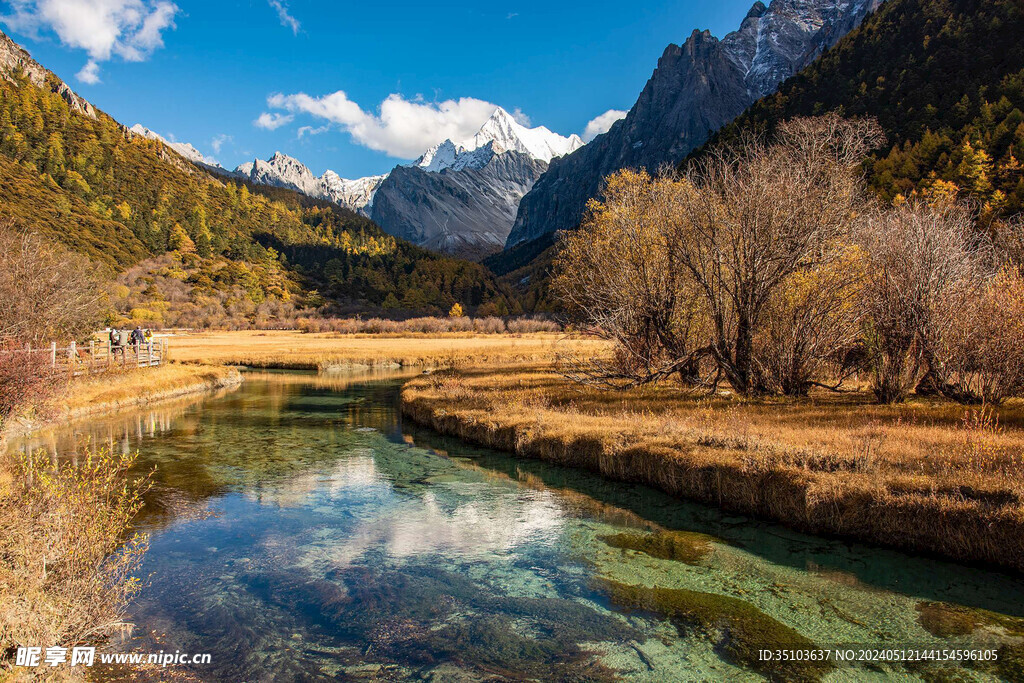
x: 301, y: 531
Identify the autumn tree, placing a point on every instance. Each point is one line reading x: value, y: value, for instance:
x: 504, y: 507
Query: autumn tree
x: 46, y: 292
x: 926, y: 266
x: 621, y: 274
x: 812, y: 323
x: 762, y: 213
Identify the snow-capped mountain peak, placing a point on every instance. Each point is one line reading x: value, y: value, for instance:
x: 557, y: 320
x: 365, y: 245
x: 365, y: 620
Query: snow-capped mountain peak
x: 183, y: 148
x: 500, y: 133
x: 507, y: 134
x: 355, y: 194
x: 438, y: 157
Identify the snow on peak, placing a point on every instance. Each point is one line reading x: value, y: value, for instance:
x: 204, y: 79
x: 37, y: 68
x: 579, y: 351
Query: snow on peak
x: 438, y: 157
x: 183, y: 148
x: 500, y: 133
x: 507, y: 134
x: 355, y: 194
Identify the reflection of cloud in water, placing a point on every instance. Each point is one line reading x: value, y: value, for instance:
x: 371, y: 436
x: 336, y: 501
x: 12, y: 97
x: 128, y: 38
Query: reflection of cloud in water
x: 357, y: 470
x: 423, y: 526
x: 498, y: 524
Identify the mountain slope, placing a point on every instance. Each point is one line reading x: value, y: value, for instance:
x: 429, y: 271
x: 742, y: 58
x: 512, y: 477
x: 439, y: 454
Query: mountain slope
x: 696, y: 89
x: 214, y: 245
x: 465, y: 210
x: 945, y: 78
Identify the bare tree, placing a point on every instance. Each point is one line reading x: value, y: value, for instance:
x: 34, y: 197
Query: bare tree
x: 763, y: 212
x: 46, y: 292
x: 927, y: 265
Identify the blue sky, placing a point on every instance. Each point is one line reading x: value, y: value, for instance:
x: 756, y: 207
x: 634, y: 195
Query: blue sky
x: 202, y: 72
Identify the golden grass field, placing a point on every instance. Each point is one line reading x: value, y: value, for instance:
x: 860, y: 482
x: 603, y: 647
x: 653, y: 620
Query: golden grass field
x: 323, y: 351
x: 928, y: 476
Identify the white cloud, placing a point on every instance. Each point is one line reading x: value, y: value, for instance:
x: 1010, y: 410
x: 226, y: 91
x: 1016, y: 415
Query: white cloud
x: 129, y: 29
x: 272, y: 121
x: 402, y: 128
x: 602, y: 123
x: 311, y: 130
x: 283, y: 13
x: 521, y: 118
x: 90, y: 73
x: 218, y: 142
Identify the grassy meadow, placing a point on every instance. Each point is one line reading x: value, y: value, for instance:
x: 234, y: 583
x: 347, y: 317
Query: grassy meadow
x: 325, y: 351
x: 925, y: 475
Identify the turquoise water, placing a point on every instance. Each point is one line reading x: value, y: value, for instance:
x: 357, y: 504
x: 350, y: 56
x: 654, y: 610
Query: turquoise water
x: 301, y: 531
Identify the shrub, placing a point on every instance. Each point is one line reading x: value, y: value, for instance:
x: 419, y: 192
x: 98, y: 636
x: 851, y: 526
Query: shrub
x: 532, y: 325
x: 427, y: 325
x: 988, y: 344
x: 26, y: 379
x: 66, y: 558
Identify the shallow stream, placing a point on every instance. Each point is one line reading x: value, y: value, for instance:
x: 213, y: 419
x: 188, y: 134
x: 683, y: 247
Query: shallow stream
x: 301, y: 531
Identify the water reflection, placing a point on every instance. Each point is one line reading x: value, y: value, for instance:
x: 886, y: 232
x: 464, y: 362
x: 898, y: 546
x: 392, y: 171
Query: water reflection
x: 302, y: 532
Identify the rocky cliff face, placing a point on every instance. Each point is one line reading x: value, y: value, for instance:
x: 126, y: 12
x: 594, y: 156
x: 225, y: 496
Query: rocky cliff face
x: 696, y: 89
x: 15, y: 59
x: 466, y: 211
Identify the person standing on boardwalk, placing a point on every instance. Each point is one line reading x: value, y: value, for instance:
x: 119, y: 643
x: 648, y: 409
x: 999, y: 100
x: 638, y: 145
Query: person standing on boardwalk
x: 136, y: 339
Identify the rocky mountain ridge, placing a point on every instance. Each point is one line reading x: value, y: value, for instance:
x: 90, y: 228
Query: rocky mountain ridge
x: 697, y: 88
x: 183, y: 148
x: 281, y: 170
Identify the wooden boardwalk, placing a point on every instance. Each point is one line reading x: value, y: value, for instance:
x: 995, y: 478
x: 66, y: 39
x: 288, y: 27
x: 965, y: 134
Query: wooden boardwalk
x: 99, y: 356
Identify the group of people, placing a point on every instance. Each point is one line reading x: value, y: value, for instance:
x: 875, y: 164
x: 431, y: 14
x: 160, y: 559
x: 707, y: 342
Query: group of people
x: 120, y: 340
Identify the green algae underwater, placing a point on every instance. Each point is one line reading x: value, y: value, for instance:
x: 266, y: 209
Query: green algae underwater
x: 300, y: 531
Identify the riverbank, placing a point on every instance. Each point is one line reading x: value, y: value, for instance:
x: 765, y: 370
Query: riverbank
x: 924, y: 476
x: 324, y: 352
x: 110, y: 392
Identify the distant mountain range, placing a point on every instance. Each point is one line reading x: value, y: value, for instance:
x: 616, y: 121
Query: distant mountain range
x: 282, y: 170
x: 458, y: 197
x: 509, y: 184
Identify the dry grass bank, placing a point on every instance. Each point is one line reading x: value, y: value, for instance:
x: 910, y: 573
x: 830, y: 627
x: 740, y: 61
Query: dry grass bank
x: 924, y: 476
x: 322, y: 351
x: 117, y: 390
x: 112, y: 391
